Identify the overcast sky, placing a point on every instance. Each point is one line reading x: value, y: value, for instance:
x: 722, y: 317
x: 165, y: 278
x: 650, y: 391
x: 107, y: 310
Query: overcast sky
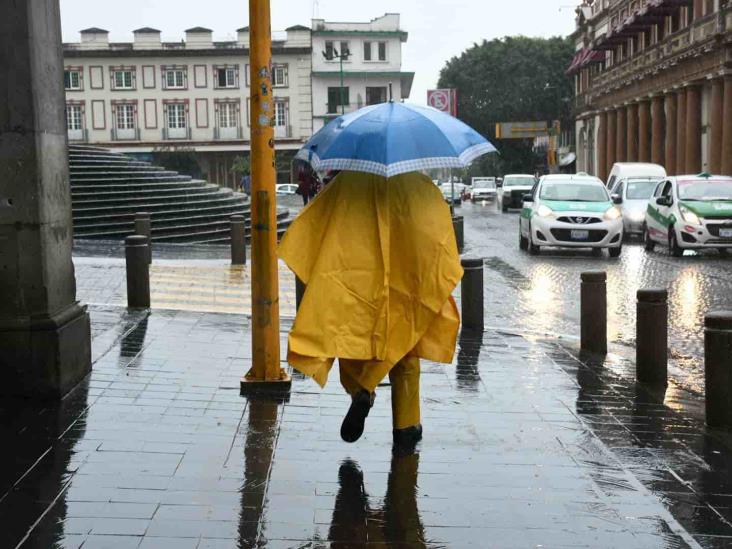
x: 438, y: 29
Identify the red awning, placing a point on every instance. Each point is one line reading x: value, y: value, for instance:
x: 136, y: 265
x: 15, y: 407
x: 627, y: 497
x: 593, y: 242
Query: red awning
x: 578, y: 57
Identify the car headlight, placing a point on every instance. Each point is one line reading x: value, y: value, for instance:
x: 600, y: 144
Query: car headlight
x: 544, y: 211
x: 612, y: 214
x: 689, y: 216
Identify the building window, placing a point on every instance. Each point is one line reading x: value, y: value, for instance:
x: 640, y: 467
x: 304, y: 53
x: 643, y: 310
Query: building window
x: 374, y: 51
x: 279, y: 76
x: 175, y: 79
x: 72, y: 80
x: 122, y: 79
x: 74, y: 118
x: 332, y: 52
x: 176, y: 116
x: 228, y: 115
x: 226, y: 77
x: 125, y: 117
x: 280, y: 113
x: 336, y: 97
x: 374, y: 96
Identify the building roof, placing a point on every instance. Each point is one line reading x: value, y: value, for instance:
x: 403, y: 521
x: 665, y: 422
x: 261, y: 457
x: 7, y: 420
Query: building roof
x: 94, y: 30
x: 199, y: 29
x: 146, y: 30
x: 243, y: 29
x: 298, y: 28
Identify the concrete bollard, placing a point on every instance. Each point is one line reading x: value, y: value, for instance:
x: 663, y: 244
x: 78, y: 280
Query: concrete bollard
x: 238, y: 241
x: 138, y: 272
x: 471, y: 294
x: 718, y: 368
x: 593, y: 312
x: 299, y: 292
x: 651, y: 336
x: 143, y: 227
x: 459, y: 228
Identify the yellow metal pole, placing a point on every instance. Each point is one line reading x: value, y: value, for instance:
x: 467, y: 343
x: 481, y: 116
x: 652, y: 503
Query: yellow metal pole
x: 266, y: 371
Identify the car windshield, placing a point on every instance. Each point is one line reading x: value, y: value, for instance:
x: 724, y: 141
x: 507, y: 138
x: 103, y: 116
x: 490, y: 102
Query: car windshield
x: 574, y: 192
x: 484, y: 185
x: 709, y: 189
x: 640, y: 189
x: 518, y: 181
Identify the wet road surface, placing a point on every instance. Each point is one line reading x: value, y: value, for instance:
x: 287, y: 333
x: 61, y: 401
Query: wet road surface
x: 524, y: 446
x: 541, y: 294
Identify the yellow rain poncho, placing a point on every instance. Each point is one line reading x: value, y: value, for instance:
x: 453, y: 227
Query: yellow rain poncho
x: 380, y: 261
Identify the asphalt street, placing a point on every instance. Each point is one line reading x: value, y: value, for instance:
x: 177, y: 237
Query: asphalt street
x: 541, y: 294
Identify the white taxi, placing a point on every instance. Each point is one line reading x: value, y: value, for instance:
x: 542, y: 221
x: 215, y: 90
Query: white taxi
x: 570, y: 211
x: 690, y: 212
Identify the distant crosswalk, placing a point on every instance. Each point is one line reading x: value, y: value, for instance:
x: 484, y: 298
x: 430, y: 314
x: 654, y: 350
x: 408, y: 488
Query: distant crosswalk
x: 213, y: 287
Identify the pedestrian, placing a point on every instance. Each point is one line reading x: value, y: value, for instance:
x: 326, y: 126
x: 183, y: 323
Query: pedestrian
x: 380, y: 261
x: 246, y: 184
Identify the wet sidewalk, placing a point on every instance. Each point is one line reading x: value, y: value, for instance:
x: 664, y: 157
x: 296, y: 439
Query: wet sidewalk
x: 524, y: 446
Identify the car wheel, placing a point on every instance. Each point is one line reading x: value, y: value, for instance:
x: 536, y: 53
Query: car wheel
x: 673, y: 244
x: 615, y: 252
x: 596, y: 252
x: 523, y: 241
x: 533, y: 248
x: 648, y: 244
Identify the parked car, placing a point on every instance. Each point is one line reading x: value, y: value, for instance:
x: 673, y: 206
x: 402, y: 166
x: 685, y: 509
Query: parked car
x: 570, y: 211
x: 285, y: 189
x: 447, y: 192
x: 626, y: 170
x: 515, y: 186
x: 690, y: 212
x: 632, y: 196
x: 483, y: 188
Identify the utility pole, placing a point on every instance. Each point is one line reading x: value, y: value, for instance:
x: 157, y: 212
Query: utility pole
x: 266, y: 372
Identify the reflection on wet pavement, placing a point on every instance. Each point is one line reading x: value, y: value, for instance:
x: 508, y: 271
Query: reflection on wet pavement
x: 525, y: 445
x: 541, y: 294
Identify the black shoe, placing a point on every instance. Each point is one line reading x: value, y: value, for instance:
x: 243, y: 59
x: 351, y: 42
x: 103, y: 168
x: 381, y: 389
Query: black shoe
x: 353, y: 423
x: 407, y: 439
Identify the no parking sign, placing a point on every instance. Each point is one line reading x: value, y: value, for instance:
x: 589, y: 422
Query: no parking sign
x: 443, y: 100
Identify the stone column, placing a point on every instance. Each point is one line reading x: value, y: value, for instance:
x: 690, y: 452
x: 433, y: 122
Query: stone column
x: 716, y: 123
x: 670, y: 163
x: 44, y: 332
x: 620, y: 135
x: 727, y: 127
x: 657, y: 124
x: 612, y: 119
x: 601, y: 145
x: 644, y: 131
x: 693, y: 129
x: 632, y: 128
x: 681, y: 132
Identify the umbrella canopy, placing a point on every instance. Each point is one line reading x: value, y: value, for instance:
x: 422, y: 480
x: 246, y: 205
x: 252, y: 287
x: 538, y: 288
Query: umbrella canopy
x: 394, y: 138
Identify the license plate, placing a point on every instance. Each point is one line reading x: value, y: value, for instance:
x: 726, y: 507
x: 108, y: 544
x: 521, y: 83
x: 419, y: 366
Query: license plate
x: 579, y: 235
x: 725, y: 233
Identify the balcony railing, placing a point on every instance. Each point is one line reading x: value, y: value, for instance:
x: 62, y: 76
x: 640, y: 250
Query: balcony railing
x: 176, y: 133
x: 228, y: 133
x: 132, y: 134
x: 79, y: 135
x: 700, y: 31
x: 283, y: 132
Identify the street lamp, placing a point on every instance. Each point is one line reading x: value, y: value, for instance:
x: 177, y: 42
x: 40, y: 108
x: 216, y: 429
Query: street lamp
x: 343, y: 55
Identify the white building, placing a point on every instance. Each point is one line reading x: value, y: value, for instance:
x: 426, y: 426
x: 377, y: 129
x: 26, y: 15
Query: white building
x: 149, y: 95
x: 371, y: 57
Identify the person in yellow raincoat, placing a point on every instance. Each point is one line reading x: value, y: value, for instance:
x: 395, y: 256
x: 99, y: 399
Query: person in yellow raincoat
x: 380, y: 261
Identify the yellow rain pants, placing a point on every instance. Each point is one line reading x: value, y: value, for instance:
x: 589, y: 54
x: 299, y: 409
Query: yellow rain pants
x: 379, y: 261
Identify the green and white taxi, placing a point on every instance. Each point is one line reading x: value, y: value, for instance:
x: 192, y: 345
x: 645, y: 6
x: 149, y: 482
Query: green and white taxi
x: 570, y: 211
x: 690, y: 212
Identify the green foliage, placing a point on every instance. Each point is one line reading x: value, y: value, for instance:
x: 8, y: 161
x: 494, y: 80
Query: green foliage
x: 181, y: 160
x: 241, y: 166
x: 513, y: 79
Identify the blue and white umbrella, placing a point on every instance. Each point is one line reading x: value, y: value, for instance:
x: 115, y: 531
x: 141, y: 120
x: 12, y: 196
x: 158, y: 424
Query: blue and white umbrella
x: 393, y: 138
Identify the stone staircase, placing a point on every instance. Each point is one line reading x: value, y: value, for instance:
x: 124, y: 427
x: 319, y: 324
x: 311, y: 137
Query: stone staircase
x: 108, y: 188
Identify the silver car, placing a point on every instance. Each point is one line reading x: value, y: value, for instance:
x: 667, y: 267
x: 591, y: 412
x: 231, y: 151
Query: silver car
x: 632, y: 195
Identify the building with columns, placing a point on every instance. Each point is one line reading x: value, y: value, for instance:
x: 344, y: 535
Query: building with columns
x: 653, y: 83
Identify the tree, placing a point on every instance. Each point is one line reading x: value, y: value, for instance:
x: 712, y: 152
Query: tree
x: 512, y: 79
